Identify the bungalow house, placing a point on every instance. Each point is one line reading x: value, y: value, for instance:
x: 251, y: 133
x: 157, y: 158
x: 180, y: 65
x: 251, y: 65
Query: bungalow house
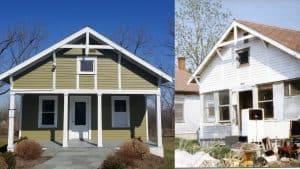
x: 85, y: 87
x: 187, y: 104
x: 250, y: 83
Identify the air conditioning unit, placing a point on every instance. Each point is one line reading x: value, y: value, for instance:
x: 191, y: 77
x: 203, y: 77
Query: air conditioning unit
x: 253, y: 124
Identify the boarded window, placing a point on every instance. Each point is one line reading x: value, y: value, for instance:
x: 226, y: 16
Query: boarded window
x: 292, y: 88
x: 224, y: 105
x: 209, y: 108
x: 243, y: 56
x: 179, y: 114
x: 265, y: 100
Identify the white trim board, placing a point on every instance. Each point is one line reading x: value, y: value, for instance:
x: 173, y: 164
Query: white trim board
x: 253, y: 34
x: 86, y: 30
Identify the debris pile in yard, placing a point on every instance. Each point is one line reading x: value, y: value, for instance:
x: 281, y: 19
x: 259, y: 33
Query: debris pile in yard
x: 199, y: 159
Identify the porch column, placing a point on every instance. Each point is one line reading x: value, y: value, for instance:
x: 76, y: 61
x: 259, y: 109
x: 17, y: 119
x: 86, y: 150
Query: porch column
x: 99, y: 123
x: 11, y: 116
x: 158, y: 121
x: 65, y: 121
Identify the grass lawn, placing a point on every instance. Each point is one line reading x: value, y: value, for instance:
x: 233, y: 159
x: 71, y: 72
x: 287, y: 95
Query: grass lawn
x: 168, y: 143
x: 3, y: 140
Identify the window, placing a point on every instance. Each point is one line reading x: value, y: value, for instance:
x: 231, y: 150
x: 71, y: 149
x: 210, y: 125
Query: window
x: 179, y: 113
x: 209, y: 108
x: 265, y: 100
x: 47, y: 111
x: 243, y: 56
x: 224, y: 105
x: 86, y: 65
x: 246, y: 40
x: 292, y: 88
x: 120, y: 112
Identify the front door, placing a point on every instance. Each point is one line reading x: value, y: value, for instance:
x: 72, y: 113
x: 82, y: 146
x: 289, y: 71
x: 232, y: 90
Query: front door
x: 245, y: 102
x: 80, y: 117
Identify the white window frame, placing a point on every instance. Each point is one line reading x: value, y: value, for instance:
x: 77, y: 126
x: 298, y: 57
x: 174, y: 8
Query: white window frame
x: 183, y: 115
x: 210, y: 119
x: 41, y: 99
x: 224, y: 105
x: 80, y: 58
x: 113, y: 113
x: 265, y: 101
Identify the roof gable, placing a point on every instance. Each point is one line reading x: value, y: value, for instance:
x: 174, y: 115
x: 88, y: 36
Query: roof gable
x: 270, y: 34
x: 87, y: 31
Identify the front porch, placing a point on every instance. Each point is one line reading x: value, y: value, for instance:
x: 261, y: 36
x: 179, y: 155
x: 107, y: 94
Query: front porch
x: 76, y: 120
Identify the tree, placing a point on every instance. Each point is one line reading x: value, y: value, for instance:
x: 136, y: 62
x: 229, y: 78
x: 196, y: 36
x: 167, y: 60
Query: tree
x: 18, y: 44
x: 198, y: 25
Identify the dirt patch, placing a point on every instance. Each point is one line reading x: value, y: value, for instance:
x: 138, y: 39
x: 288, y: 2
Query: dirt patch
x: 28, y: 164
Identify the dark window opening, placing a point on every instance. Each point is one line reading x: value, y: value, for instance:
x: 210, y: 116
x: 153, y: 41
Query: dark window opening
x: 246, y: 40
x: 243, y: 56
x: 80, y: 113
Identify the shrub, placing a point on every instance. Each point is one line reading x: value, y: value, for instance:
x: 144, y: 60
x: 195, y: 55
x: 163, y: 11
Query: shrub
x: 3, y: 164
x: 219, y: 152
x: 134, y: 149
x: 112, y: 162
x: 10, y: 159
x: 28, y: 149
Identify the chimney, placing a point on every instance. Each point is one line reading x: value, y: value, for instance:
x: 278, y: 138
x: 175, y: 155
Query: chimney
x: 181, y: 63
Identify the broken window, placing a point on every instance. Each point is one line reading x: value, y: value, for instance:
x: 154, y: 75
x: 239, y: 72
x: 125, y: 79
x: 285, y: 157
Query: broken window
x: 265, y: 100
x: 292, y: 88
x: 224, y: 105
x: 209, y: 108
x: 243, y: 56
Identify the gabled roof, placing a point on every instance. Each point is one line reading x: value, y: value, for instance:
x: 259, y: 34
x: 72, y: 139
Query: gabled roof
x: 285, y: 39
x: 75, y: 35
x: 181, y: 86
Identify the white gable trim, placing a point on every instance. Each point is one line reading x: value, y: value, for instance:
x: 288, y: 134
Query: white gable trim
x: 251, y: 31
x: 62, y: 43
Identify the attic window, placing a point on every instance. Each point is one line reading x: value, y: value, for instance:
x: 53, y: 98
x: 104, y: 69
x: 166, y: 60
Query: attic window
x: 86, y: 65
x: 246, y: 40
x: 243, y: 56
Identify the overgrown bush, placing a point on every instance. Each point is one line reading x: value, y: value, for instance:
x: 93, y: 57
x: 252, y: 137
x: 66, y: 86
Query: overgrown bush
x: 134, y: 149
x: 112, y: 162
x: 10, y: 159
x: 28, y: 149
x: 219, y: 152
x: 3, y: 164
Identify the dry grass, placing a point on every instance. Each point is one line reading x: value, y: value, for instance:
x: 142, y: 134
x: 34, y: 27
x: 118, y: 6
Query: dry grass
x: 28, y: 164
x: 3, y: 164
x: 28, y: 149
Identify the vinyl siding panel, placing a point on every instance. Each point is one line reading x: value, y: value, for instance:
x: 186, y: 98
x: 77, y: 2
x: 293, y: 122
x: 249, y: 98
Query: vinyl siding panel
x: 66, y: 72
x: 134, y: 77
x: 86, y: 81
x: 107, y: 72
x: 37, y: 77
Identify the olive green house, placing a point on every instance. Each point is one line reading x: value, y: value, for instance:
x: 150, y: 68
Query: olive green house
x: 86, y: 88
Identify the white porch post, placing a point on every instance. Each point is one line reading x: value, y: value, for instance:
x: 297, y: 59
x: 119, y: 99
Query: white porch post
x: 11, y: 116
x: 65, y: 121
x: 158, y: 120
x: 100, y: 144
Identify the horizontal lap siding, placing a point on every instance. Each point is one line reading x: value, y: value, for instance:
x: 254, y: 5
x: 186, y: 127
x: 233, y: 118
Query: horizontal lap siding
x: 30, y: 120
x: 134, y: 77
x: 37, y: 77
x: 107, y: 72
x: 86, y: 81
x: 66, y: 72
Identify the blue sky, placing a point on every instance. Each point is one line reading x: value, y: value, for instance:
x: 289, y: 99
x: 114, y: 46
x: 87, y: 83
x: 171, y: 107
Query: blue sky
x: 61, y: 18
x: 282, y: 13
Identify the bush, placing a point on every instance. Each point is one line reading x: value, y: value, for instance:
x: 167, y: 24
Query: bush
x: 28, y: 149
x: 112, y: 162
x: 3, y: 164
x: 219, y: 152
x: 134, y: 149
x: 10, y: 159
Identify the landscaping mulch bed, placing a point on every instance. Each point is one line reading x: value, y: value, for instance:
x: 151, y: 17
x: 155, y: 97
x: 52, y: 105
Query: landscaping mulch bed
x: 28, y: 164
x: 152, y: 162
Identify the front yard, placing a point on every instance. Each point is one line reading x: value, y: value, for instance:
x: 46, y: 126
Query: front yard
x: 168, y: 143
x: 3, y: 140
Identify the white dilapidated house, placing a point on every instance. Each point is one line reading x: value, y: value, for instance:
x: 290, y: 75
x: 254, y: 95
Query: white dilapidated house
x: 250, y: 83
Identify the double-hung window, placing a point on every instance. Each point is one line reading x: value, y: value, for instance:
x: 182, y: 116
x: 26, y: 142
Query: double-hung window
x: 120, y: 112
x: 224, y: 106
x: 86, y: 65
x: 209, y: 108
x: 265, y: 100
x: 47, y: 111
x: 179, y: 110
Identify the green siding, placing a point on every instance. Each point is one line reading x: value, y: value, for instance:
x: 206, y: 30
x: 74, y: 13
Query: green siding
x: 137, y: 120
x: 65, y: 72
x: 107, y: 72
x: 136, y: 78
x: 86, y: 81
x: 37, y: 77
x: 30, y: 120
